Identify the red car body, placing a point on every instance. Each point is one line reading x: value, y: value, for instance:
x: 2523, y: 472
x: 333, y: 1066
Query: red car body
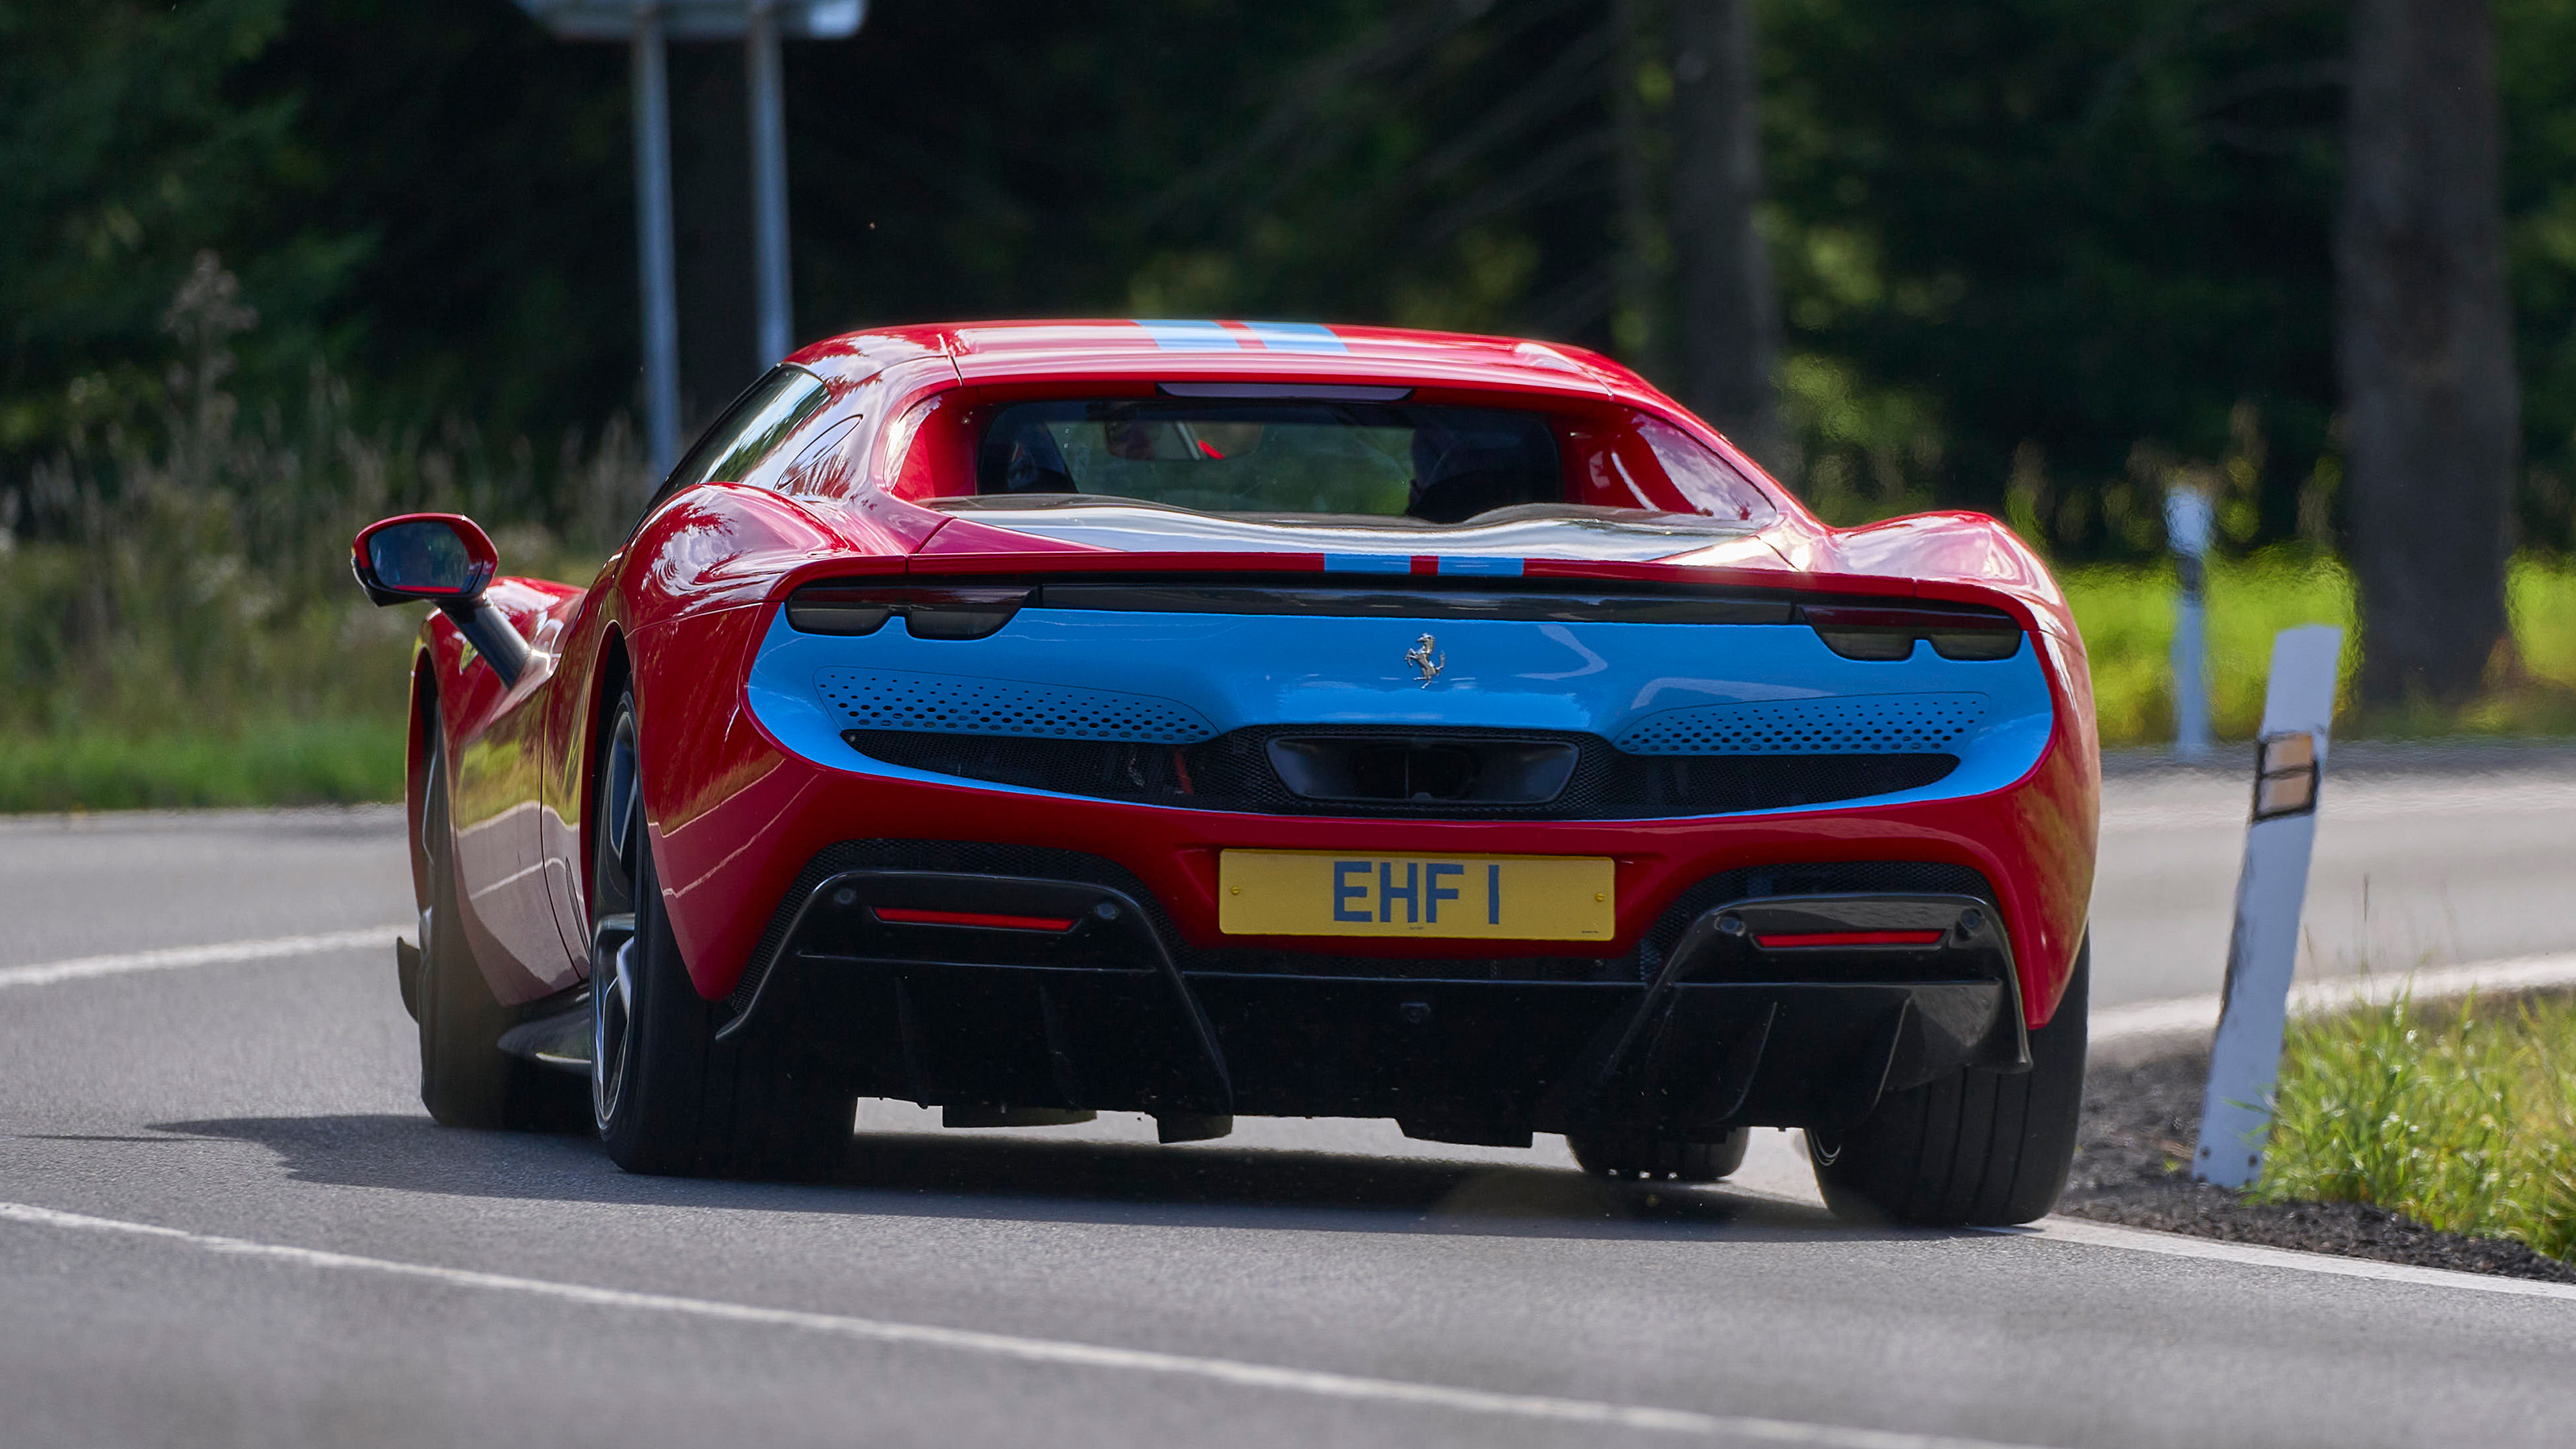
x: 679, y: 616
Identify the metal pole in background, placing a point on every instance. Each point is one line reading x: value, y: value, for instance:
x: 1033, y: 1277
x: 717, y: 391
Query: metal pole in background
x: 647, y: 26
x: 653, y: 248
x: 777, y: 329
x: 2187, y: 534
x: 2245, y: 1058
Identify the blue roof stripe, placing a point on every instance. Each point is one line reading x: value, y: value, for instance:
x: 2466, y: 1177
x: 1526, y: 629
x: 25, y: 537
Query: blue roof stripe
x: 1501, y: 568
x: 1368, y: 563
x: 1295, y: 337
x: 1182, y: 336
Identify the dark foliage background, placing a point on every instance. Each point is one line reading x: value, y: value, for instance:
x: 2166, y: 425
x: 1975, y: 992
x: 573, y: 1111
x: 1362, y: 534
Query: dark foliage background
x: 2035, y: 255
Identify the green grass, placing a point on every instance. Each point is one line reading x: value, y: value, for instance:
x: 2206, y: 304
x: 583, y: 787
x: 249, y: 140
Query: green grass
x: 2463, y: 1119
x: 177, y: 622
x: 2127, y: 615
x: 305, y: 762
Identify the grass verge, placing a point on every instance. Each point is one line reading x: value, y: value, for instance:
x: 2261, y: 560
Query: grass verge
x: 2463, y: 1119
x: 2127, y: 615
x: 304, y: 762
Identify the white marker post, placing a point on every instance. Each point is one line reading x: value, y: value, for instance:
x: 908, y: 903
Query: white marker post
x: 2187, y: 534
x: 2245, y: 1060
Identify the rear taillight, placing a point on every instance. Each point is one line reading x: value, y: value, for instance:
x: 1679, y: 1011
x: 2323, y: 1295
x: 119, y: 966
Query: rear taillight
x: 929, y: 611
x: 1888, y: 631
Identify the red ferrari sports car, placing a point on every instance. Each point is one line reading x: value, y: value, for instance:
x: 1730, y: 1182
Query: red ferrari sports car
x: 1209, y: 718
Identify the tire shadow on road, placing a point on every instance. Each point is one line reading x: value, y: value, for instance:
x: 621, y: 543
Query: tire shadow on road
x: 933, y: 1175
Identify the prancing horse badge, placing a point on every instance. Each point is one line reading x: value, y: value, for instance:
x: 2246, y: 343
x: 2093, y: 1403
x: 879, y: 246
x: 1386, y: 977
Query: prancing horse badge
x: 1423, y: 658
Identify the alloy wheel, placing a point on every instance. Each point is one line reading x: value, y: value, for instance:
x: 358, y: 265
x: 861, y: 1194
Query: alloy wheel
x: 612, y: 936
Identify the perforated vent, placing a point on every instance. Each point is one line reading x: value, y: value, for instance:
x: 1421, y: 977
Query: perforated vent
x: 1874, y: 724
x: 885, y: 699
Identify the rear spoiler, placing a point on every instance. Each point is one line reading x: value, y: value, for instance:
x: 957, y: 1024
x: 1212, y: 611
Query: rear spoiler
x: 1856, y: 628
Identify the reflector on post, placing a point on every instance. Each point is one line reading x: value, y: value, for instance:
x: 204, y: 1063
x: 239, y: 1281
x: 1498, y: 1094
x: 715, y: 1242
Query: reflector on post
x: 2285, y: 775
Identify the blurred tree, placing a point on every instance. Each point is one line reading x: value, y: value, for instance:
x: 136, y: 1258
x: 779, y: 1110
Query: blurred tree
x: 122, y: 155
x: 2018, y: 239
x: 2038, y: 256
x: 486, y: 167
x: 2537, y: 89
x: 1436, y: 162
x: 2424, y: 343
x: 1641, y: 83
x: 711, y: 205
x: 1728, y: 310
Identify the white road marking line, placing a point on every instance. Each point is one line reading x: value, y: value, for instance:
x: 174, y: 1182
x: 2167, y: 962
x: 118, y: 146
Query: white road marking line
x: 1317, y: 1383
x: 1776, y: 1170
x: 2309, y: 998
x: 2178, y: 1245
x: 182, y: 956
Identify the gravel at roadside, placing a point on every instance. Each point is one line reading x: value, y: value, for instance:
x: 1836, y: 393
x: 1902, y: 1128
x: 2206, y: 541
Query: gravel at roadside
x: 2140, y: 1119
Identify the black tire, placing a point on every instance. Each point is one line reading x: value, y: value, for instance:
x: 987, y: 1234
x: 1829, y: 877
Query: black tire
x: 668, y: 1098
x: 466, y: 1080
x: 1975, y: 1147
x: 1649, y: 1159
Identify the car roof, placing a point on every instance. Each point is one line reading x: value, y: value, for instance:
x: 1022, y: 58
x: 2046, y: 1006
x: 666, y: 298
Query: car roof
x: 1225, y: 349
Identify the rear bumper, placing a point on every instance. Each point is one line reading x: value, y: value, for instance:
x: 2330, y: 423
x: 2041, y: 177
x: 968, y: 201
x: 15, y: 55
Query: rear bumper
x: 729, y: 861
x: 1062, y: 985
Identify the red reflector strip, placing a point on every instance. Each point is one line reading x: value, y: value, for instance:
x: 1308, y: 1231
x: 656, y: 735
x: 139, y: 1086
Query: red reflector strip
x: 1850, y: 938
x: 900, y: 916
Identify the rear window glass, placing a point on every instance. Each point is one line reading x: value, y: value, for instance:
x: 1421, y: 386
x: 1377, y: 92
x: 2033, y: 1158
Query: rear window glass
x: 1443, y: 465
x: 1711, y: 487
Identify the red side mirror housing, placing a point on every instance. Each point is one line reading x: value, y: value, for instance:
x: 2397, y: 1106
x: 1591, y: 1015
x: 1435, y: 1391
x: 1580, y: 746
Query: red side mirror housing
x: 441, y: 559
x: 437, y: 558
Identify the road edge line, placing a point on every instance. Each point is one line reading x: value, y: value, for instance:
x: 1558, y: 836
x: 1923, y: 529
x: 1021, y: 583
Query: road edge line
x: 2087, y: 1233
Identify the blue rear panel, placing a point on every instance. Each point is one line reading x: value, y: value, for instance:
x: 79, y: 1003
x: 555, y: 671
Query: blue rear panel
x: 1660, y: 689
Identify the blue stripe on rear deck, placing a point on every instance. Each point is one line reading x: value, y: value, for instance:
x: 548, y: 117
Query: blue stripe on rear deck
x: 1295, y: 337
x: 1186, y: 336
x: 1368, y: 563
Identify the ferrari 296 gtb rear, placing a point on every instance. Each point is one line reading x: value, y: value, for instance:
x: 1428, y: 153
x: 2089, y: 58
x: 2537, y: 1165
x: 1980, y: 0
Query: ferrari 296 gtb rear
x: 1204, y: 719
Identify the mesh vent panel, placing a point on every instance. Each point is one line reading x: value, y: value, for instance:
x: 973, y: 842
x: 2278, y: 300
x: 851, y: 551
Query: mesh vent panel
x: 1883, y: 724
x: 888, y: 699
x: 1233, y: 772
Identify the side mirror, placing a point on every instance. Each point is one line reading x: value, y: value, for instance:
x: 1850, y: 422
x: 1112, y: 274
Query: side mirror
x: 441, y: 559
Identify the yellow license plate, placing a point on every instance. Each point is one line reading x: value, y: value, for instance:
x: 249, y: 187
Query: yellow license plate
x: 1334, y: 893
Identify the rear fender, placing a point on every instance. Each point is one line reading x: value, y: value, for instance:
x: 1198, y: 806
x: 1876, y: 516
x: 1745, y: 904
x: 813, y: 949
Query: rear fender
x: 421, y: 721
x: 491, y: 736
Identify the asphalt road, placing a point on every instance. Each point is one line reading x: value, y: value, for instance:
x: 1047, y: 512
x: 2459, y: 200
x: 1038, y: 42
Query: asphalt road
x: 224, y: 1220
x: 2425, y: 856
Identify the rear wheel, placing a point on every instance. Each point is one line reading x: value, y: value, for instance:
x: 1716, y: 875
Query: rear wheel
x: 1651, y: 1159
x: 1974, y: 1147
x: 667, y: 1096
